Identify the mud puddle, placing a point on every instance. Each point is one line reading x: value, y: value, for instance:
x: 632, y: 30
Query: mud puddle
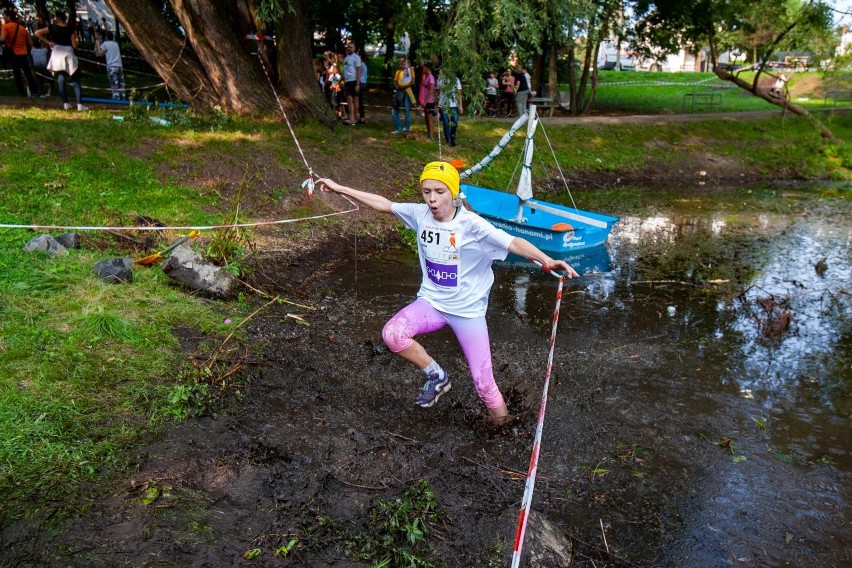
x: 698, y: 415
x: 700, y: 411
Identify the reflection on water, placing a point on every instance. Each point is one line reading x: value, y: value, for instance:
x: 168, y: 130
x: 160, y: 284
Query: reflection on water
x: 781, y: 336
x: 759, y: 309
x: 800, y: 279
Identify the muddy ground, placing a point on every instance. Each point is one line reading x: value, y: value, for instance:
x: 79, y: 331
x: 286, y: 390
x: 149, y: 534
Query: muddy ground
x: 324, y: 428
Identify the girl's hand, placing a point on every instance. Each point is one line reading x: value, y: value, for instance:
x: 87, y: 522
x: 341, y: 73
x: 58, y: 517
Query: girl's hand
x: 327, y: 185
x: 564, y: 267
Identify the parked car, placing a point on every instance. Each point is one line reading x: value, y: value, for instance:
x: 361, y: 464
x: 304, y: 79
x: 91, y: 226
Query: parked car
x: 398, y: 50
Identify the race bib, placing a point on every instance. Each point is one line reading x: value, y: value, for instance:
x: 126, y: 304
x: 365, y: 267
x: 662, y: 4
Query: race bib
x: 440, y: 251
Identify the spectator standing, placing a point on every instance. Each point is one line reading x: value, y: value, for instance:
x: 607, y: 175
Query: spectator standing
x: 335, y: 84
x: 352, y: 80
x: 15, y: 37
x: 491, y: 89
x: 62, y: 40
x: 327, y: 61
x: 40, y: 56
x: 427, y: 98
x: 109, y: 50
x: 522, y: 94
x: 403, y: 79
x: 449, y: 105
x: 509, y: 86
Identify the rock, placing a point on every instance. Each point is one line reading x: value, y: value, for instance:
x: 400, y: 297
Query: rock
x: 45, y: 243
x: 191, y: 270
x: 115, y: 270
x: 69, y: 240
x: 545, y: 544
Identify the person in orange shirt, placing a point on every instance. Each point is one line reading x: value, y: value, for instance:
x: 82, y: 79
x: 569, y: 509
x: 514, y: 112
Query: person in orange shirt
x: 15, y: 37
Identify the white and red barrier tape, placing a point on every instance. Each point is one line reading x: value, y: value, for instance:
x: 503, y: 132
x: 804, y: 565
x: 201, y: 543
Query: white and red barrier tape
x: 533, y: 469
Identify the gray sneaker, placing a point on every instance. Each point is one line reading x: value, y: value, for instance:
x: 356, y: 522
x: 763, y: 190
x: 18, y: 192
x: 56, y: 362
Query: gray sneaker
x: 432, y: 390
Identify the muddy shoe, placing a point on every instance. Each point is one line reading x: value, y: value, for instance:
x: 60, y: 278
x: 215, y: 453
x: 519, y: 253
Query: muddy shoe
x: 435, y: 386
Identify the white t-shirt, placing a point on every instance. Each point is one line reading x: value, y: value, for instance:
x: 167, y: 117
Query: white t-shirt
x: 493, y: 85
x: 111, y: 53
x: 350, y: 64
x: 447, y: 97
x: 455, y: 258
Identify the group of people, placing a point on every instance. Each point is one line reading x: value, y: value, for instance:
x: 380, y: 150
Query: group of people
x: 59, y: 41
x: 513, y: 88
x: 343, y: 80
x: 441, y: 95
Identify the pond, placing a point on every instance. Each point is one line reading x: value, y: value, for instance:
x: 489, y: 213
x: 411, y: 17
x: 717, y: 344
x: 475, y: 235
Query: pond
x: 700, y: 403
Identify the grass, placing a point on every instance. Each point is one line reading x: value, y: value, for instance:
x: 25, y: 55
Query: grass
x: 88, y: 369
x: 767, y: 144
x: 663, y: 93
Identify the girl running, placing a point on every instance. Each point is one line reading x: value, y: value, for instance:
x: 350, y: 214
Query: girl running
x: 456, y: 248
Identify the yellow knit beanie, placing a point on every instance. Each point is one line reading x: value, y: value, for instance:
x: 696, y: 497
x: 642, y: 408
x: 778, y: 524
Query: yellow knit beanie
x: 443, y: 172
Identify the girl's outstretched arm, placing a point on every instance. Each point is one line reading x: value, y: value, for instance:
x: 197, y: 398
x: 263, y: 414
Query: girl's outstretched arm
x: 377, y: 202
x: 523, y: 247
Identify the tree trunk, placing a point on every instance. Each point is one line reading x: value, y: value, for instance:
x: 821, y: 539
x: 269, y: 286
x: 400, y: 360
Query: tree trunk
x: 295, y: 67
x: 389, y: 68
x: 553, y: 70
x: 210, y: 65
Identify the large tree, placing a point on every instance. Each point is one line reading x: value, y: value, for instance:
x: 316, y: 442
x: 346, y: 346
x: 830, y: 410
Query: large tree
x: 724, y: 25
x: 200, y: 50
x: 585, y: 24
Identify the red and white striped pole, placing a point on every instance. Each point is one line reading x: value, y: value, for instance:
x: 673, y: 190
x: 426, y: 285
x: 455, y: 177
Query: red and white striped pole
x: 526, y: 503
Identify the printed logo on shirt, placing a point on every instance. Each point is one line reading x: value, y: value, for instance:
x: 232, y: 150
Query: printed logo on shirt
x: 442, y: 274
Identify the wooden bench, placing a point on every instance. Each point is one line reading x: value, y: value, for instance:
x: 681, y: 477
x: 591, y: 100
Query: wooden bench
x: 701, y: 100
x: 842, y: 95
x: 544, y: 103
x: 549, y: 103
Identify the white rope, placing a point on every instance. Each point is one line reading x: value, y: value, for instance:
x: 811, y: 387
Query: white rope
x: 309, y: 182
x: 558, y: 167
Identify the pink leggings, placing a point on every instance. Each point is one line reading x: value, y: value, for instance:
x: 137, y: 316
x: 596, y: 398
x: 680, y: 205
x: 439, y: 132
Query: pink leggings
x: 472, y: 333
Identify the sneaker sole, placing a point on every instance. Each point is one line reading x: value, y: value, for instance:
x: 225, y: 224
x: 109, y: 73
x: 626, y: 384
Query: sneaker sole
x: 438, y: 394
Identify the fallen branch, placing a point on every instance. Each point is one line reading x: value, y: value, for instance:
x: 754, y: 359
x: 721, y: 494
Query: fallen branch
x: 277, y: 298
x: 121, y: 235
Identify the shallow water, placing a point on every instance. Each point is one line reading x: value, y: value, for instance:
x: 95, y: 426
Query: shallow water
x: 701, y: 404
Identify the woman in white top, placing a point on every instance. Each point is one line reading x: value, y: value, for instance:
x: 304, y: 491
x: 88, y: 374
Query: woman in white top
x: 456, y: 248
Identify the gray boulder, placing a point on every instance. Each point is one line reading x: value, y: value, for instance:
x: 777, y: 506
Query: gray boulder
x: 69, y: 240
x: 47, y: 244
x: 545, y: 544
x: 115, y: 270
x: 191, y: 270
